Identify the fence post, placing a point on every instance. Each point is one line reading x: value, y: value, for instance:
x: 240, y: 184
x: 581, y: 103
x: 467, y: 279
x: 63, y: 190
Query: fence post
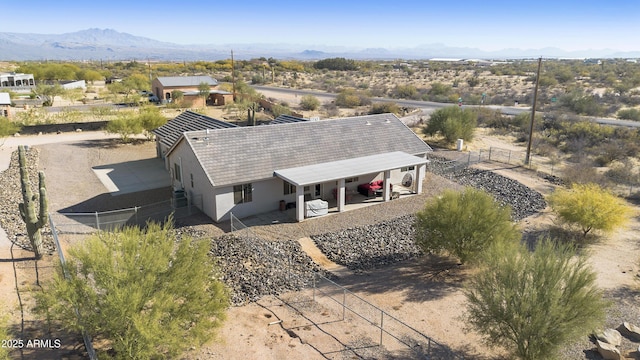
x: 381, y: 325
x: 97, y: 221
x: 490, y: 153
x: 314, y: 286
x: 135, y: 211
x: 509, y: 158
x: 344, y: 302
x: 469, y: 159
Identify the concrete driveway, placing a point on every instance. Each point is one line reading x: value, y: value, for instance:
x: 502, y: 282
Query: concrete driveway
x: 133, y: 176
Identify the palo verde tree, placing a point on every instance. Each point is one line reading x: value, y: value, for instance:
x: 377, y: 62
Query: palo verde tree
x: 126, y: 125
x: 464, y: 224
x: 452, y: 123
x: 204, y: 89
x: 590, y: 207
x: 34, y: 220
x: 144, y: 292
x: 533, y: 302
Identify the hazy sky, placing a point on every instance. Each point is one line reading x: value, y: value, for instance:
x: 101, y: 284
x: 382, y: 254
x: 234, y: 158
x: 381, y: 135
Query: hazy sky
x: 487, y: 25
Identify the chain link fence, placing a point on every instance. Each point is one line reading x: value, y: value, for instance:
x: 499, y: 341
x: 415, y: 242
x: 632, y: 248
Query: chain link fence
x: 86, y: 223
x: 387, y: 337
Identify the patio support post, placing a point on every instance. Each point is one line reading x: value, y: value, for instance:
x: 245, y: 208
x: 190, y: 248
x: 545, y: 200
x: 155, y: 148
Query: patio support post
x: 300, y: 203
x: 341, y: 195
x: 386, y: 193
x: 417, y: 186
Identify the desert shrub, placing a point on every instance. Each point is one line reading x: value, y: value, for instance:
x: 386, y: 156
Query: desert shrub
x: 406, y: 92
x: 452, y: 123
x: 331, y: 110
x: 350, y: 98
x: 278, y: 110
x: 531, y: 303
x: 439, y: 227
x: 339, y: 63
x: 385, y: 107
x: 309, y: 102
x: 7, y: 127
x: 608, y: 151
x: 590, y: 207
x: 623, y: 172
x: 582, y: 172
x: 582, y: 104
x: 144, y: 292
x: 629, y: 114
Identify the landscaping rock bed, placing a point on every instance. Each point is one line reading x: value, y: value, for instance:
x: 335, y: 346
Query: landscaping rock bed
x: 367, y: 247
x: 252, y: 267
x: 11, y: 196
x: 524, y: 201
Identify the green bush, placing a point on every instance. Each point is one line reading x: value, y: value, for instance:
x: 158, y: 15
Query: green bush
x: 385, y: 107
x: 309, y: 102
x: 533, y: 302
x: 464, y: 224
x: 629, y: 114
x: 452, y: 123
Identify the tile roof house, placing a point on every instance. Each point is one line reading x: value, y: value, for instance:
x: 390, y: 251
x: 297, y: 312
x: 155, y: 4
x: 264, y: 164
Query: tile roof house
x: 168, y: 134
x: 163, y: 86
x: 251, y: 170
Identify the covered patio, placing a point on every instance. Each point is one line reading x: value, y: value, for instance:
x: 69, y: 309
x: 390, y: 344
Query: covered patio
x: 338, y: 171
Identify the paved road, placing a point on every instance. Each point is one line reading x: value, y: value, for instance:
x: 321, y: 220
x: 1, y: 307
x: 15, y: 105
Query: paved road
x: 429, y: 106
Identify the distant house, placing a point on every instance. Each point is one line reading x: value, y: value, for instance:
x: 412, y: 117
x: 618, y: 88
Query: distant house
x: 163, y: 86
x: 252, y: 170
x: 168, y: 134
x: 5, y: 104
x: 16, y: 82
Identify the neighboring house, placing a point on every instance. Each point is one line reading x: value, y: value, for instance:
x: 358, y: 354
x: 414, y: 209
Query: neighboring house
x: 251, y: 170
x: 17, y: 82
x: 163, y: 86
x: 168, y: 134
x: 5, y: 104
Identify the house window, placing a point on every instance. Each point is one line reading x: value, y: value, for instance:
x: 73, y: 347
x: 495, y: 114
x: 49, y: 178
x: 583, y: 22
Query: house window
x: 405, y: 169
x: 242, y: 193
x: 351, y: 180
x: 289, y: 188
x: 176, y: 172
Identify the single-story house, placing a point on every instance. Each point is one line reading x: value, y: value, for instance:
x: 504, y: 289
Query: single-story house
x: 163, y: 86
x: 168, y: 134
x: 17, y: 81
x: 252, y: 170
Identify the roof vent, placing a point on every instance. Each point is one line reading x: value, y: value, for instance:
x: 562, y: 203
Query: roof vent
x: 367, y: 123
x: 387, y: 121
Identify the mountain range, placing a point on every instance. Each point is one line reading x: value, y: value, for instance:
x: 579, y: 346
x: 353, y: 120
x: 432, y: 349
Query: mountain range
x: 109, y: 44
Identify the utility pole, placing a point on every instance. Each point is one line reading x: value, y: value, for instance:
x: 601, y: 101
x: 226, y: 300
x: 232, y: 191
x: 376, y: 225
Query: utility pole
x: 233, y: 76
x: 527, y: 159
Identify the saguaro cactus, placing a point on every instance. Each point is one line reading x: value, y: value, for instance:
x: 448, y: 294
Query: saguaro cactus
x: 34, y: 221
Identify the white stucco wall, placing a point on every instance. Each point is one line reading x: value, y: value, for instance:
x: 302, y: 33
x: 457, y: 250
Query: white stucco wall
x: 200, y: 194
x: 266, y: 196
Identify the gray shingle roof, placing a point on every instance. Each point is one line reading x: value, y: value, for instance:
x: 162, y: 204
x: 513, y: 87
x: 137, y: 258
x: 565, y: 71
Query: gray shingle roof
x: 186, y: 80
x: 170, y: 132
x: 245, y: 154
x: 285, y: 119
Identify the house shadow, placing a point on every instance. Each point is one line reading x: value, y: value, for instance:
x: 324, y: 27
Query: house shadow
x: 133, y: 209
x: 425, y: 278
x: 133, y: 176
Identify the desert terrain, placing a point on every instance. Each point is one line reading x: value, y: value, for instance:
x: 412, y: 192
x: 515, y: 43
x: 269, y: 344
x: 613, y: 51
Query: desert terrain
x: 425, y: 293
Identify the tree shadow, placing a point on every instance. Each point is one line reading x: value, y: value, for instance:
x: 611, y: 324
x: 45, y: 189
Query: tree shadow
x: 560, y: 234
x: 41, y: 340
x: 98, y: 144
x: 424, y: 278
